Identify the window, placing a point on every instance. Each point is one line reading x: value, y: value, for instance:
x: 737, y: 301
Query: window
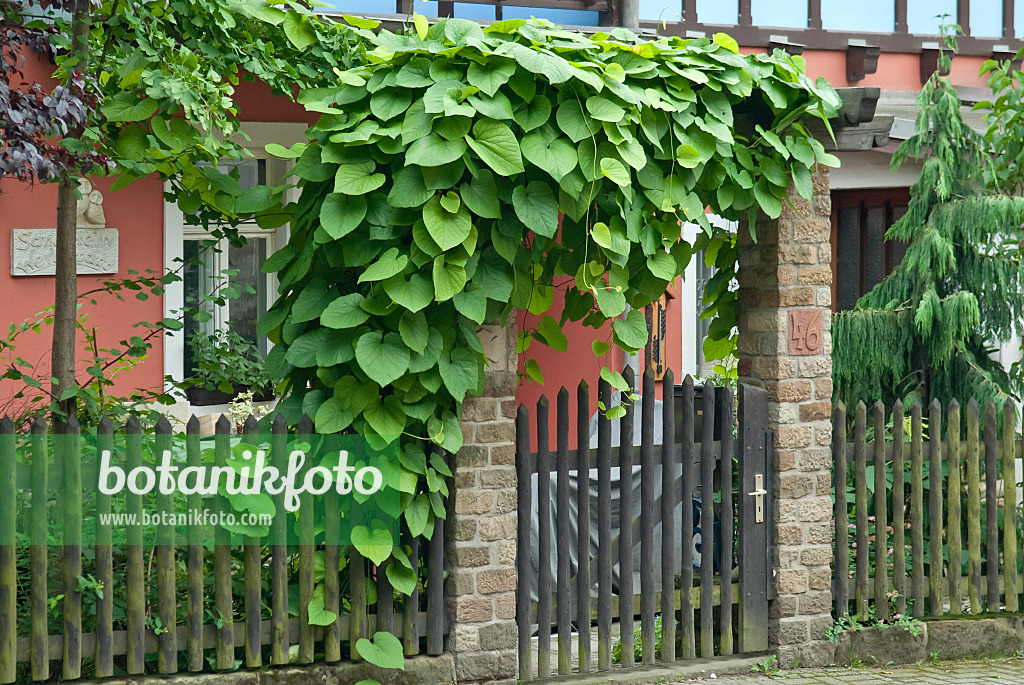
x: 861, y: 256
x: 206, y: 260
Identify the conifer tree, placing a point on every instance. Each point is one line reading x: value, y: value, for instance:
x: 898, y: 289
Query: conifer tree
x: 926, y: 330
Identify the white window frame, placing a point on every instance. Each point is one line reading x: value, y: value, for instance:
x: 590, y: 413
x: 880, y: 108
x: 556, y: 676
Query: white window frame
x: 176, y: 232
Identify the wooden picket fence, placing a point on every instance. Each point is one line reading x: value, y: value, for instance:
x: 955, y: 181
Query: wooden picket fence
x: 954, y: 514
x: 208, y: 636
x: 718, y: 607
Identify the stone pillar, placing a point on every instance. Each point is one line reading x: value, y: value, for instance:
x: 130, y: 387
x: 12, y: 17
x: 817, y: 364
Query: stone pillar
x: 785, y: 346
x: 482, y: 521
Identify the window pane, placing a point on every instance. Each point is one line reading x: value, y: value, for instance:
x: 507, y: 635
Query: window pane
x: 874, y: 248
x: 923, y: 15
x: 716, y: 11
x: 781, y: 14
x: 868, y: 15
x: 246, y: 309
x: 848, y: 258
x: 197, y: 276
x: 987, y: 18
x: 667, y: 10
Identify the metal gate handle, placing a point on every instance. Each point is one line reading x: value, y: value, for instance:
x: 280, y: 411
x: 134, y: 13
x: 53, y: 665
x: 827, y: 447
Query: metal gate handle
x: 758, y: 495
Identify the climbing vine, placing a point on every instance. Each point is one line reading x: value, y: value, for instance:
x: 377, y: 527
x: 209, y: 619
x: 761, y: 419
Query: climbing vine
x: 464, y: 172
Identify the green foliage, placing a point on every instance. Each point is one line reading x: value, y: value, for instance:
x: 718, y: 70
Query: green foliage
x: 767, y: 666
x: 223, y: 359
x: 925, y: 331
x: 463, y: 173
x: 638, y: 646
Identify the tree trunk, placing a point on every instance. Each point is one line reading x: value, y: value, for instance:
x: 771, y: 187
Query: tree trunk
x: 65, y: 299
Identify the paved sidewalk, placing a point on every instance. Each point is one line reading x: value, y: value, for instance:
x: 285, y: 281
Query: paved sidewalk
x: 941, y: 673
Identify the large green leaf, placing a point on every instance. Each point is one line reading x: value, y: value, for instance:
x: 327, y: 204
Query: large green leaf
x: 127, y: 106
x: 448, y: 229
x: 385, y: 651
x: 383, y: 358
x: 390, y: 102
x: 357, y: 179
x: 472, y: 303
x: 613, y: 170
x: 574, y: 122
x: 662, y: 265
x: 414, y: 331
x: 332, y: 417
x: 603, y: 109
x: 375, y: 543
x: 558, y: 157
x: 536, y: 207
x: 448, y: 279
x: 610, y: 301
x: 414, y: 294
x: 462, y: 372
x: 340, y: 214
x: 481, y: 196
x: 345, y: 312
x: 630, y: 332
x: 554, y: 68
x: 298, y: 30
x: 387, y: 265
x: 490, y: 75
x: 311, y: 302
x: 408, y: 188
x: 387, y: 418
x: 497, y: 147
x: 432, y: 150
x: 535, y: 112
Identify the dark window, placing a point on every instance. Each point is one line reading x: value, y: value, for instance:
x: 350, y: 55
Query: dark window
x: 861, y: 256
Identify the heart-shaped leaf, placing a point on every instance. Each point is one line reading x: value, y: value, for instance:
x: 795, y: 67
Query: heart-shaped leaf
x: 375, y: 543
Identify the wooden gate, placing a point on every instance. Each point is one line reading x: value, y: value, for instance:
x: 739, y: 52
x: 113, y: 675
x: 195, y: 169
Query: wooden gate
x: 601, y: 567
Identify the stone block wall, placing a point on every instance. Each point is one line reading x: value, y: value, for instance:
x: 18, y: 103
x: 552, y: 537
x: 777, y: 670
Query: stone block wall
x: 482, y: 523
x: 785, y: 346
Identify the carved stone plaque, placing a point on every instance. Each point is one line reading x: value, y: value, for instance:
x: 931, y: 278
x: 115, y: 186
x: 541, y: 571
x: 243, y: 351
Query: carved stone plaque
x: 34, y: 251
x: 804, y: 332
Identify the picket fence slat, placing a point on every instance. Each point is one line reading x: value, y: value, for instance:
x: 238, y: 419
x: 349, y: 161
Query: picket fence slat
x: 973, y: 509
x: 8, y: 555
x: 194, y: 564
x: 583, y: 522
x: 689, y: 650
x: 279, y: 643
x: 991, y: 509
x: 222, y: 559
x: 604, y: 532
x: 916, y: 511
x: 524, y: 498
x: 647, y: 589
x: 707, y: 515
x: 668, y: 507
x: 842, y: 556
x: 861, y: 505
x: 953, y: 508
x: 37, y: 554
x: 543, y: 541
x: 625, y: 609
x: 724, y: 541
x: 935, y: 505
x: 1009, y: 457
x: 564, y: 543
x: 167, y: 601
x: 881, y: 514
x: 899, y: 560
